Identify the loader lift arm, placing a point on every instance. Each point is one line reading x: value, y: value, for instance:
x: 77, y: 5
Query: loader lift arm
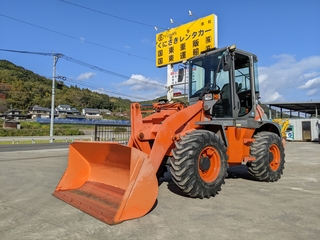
x: 156, y: 134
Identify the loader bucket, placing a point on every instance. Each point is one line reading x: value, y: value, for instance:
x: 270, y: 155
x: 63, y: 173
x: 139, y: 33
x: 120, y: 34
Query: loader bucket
x: 109, y: 181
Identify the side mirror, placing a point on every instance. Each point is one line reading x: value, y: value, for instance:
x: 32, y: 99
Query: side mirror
x: 180, y: 74
x: 226, y: 62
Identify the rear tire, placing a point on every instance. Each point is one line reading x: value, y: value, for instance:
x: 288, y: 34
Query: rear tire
x: 199, y: 164
x: 269, y: 153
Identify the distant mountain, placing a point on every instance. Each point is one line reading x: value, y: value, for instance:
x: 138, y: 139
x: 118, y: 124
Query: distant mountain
x: 21, y: 88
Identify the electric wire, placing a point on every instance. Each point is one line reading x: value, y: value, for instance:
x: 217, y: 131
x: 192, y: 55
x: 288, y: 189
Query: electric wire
x: 100, y: 88
x: 99, y: 45
x: 79, y: 62
x: 86, y: 65
x: 77, y: 38
x: 111, y: 15
x: 27, y: 52
x: 105, y: 90
x: 96, y: 88
x: 106, y: 71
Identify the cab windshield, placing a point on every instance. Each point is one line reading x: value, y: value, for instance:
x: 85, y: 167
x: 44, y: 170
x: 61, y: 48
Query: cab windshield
x: 207, y: 70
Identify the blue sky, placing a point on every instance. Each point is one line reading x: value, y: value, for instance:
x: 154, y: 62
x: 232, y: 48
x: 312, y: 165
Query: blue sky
x: 119, y: 37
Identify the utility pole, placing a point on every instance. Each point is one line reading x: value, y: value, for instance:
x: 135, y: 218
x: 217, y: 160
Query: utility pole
x: 55, y: 60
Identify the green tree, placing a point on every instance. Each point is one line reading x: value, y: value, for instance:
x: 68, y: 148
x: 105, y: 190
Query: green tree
x: 22, y: 88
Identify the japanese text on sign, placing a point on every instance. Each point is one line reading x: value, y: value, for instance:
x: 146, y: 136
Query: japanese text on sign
x: 186, y: 41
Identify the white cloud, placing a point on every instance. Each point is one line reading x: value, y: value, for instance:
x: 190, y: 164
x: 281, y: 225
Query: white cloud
x: 310, y: 75
x: 287, y: 78
x: 148, y: 42
x: 86, y: 76
x: 273, y: 97
x: 143, y: 87
x: 82, y: 39
x: 312, y: 83
x: 136, y: 88
x: 139, y: 82
x: 262, y: 78
x: 312, y: 92
x: 102, y: 90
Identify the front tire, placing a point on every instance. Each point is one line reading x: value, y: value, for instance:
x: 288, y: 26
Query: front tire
x: 269, y: 153
x: 199, y: 164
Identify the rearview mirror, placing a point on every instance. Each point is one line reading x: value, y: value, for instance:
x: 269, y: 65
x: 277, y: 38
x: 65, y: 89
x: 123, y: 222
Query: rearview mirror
x: 180, y: 74
x: 226, y: 62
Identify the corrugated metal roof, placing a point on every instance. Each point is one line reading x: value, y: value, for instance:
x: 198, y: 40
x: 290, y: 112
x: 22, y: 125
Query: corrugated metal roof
x: 305, y: 107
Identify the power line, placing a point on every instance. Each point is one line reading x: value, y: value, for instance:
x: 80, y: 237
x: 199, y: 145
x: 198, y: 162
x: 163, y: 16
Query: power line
x: 18, y: 51
x: 101, y: 88
x: 76, y: 38
x: 104, y: 90
x: 79, y: 62
x: 106, y: 71
x: 111, y: 15
x: 92, y: 67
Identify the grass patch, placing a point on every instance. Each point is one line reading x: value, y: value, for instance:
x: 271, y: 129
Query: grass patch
x: 28, y: 128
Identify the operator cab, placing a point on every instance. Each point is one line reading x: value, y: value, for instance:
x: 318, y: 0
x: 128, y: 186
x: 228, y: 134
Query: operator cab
x: 230, y: 76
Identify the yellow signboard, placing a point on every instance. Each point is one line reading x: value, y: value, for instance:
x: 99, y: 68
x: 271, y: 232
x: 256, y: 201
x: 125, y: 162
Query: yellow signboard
x: 186, y: 41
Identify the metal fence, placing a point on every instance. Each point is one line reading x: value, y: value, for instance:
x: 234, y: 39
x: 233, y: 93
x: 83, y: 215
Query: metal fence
x: 105, y: 130
x: 112, y: 132
x: 84, y: 121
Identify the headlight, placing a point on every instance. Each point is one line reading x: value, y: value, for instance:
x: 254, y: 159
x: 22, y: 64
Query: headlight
x: 208, y: 96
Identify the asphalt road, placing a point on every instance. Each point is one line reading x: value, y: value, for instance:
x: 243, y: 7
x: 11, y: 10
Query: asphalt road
x: 32, y: 147
x: 244, y: 209
x: 17, y: 139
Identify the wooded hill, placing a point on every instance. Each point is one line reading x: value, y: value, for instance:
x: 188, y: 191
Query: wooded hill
x: 21, y: 88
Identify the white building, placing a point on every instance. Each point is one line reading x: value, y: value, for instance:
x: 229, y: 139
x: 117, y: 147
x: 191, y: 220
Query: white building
x: 304, y: 129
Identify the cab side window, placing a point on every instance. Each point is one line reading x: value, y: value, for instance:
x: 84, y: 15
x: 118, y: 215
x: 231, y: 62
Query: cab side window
x: 243, y: 86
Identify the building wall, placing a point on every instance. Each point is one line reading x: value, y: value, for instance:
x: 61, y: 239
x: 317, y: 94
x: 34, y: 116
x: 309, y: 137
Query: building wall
x: 297, y: 128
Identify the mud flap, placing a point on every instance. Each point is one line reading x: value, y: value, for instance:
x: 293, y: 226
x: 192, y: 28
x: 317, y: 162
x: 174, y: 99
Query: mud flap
x: 109, y: 181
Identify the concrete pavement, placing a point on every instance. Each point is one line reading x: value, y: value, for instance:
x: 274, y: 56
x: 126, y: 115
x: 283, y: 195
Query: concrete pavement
x: 244, y: 209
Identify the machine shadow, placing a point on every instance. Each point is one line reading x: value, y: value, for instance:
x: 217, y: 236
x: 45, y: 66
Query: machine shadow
x: 240, y: 171
x: 170, y: 184
x: 153, y: 207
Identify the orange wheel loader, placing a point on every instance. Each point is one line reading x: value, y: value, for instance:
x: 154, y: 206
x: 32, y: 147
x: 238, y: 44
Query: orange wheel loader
x: 222, y: 126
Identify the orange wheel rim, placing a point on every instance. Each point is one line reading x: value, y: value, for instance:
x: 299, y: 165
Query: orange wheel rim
x: 209, y: 164
x: 275, y: 161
